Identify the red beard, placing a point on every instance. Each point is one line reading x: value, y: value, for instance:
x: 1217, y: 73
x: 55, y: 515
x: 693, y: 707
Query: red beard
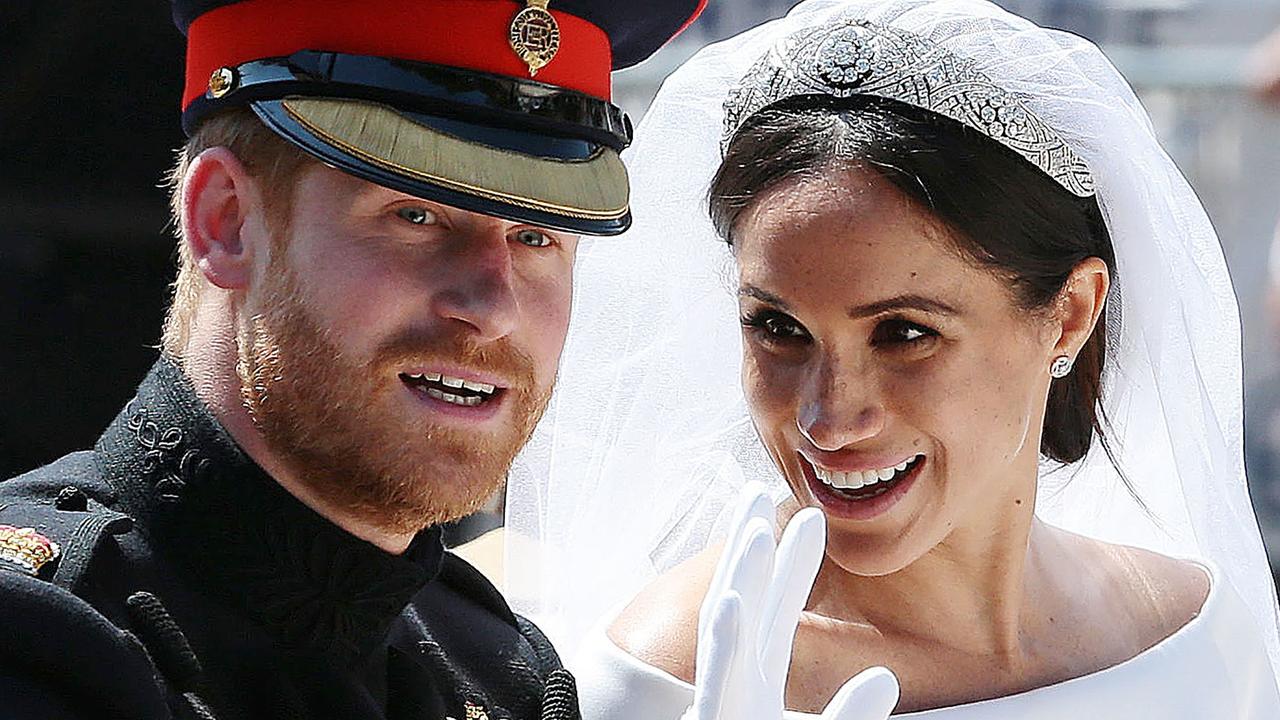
x: 340, y: 428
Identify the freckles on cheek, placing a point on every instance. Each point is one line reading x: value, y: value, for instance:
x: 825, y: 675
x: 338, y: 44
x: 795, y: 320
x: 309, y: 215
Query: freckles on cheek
x: 771, y: 405
x: 1000, y: 418
x: 769, y: 392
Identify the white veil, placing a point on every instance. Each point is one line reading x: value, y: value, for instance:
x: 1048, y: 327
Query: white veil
x: 648, y: 436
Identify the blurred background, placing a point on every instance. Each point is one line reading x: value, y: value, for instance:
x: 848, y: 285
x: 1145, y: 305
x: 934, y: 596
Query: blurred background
x: 88, y: 122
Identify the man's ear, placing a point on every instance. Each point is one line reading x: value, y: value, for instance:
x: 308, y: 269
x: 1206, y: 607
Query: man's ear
x: 1080, y: 304
x: 217, y: 195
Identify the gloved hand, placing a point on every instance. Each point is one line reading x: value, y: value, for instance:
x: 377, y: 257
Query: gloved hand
x: 747, y: 622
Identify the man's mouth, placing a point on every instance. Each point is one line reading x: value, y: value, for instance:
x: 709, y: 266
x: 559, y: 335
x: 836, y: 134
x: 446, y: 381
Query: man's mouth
x: 452, y: 390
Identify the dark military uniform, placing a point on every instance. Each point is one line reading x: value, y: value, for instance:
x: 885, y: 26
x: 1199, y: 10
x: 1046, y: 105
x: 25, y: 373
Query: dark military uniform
x: 187, y: 583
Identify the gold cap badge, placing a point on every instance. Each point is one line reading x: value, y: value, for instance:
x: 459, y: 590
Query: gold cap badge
x: 26, y: 548
x: 535, y: 35
x: 221, y: 82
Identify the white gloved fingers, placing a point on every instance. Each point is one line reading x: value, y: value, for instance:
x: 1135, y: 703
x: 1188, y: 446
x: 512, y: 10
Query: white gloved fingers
x: 870, y: 695
x: 753, y: 502
x: 795, y: 567
x: 749, y: 576
x: 719, y: 643
x: 729, y: 680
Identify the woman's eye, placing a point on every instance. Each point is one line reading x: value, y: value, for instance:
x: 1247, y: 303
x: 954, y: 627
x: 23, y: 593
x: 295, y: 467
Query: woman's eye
x: 775, y: 327
x: 532, y: 238
x: 902, y: 332
x: 417, y: 215
x: 782, y: 327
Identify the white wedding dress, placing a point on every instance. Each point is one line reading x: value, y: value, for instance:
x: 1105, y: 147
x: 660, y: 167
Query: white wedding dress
x: 1215, y: 666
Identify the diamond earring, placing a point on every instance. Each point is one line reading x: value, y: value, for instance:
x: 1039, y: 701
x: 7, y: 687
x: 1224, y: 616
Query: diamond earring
x: 1061, y: 366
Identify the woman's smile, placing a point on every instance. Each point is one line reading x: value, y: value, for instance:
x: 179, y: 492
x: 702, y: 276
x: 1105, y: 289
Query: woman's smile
x: 861, y: 494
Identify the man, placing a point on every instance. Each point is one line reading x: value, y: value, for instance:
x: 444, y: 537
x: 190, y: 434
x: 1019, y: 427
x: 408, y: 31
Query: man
x: 378, y: 210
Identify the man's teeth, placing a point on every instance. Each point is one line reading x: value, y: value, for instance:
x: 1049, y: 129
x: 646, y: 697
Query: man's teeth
x: 860, y: 479
x: 455, y: 399
x: 454, y: 382
x: 476, y: 386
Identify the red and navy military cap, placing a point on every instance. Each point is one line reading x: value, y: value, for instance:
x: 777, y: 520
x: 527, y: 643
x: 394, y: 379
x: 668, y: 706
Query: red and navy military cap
x: 500, y: 107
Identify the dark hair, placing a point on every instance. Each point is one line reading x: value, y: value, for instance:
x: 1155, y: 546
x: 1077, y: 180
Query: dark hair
x: 1006, y: 215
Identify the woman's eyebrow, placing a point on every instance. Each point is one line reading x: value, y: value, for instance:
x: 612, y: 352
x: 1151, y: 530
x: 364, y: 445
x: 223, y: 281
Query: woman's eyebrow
x: 903, y: 302
x: 763, y: 296
x: 900, y: 302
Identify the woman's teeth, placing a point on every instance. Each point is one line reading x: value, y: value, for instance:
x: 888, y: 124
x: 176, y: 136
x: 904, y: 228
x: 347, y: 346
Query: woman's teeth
x: 859, y: 479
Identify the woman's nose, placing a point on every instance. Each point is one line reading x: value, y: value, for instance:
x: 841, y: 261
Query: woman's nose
x: 840, y: 411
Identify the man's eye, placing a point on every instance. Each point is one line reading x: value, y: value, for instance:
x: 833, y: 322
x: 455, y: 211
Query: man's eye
x: 417, y: 215
x: 532, y: 238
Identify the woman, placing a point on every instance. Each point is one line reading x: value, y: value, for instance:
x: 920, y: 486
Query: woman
x: 985, y: 328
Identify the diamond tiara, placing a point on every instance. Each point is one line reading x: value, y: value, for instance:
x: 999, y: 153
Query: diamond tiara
x: 855, y: 57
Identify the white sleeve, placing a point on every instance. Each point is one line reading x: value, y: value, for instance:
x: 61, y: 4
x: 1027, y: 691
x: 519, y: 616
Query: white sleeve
x: 613, y: 685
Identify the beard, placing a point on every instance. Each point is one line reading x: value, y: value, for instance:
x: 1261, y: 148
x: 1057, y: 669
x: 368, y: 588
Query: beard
x: 341, y: 428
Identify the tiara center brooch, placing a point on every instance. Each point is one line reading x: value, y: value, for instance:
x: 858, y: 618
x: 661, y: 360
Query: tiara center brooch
x: 535, y: 35
x: 848, y: 61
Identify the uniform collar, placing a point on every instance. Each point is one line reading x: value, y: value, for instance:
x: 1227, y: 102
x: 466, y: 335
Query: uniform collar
x: 204, y: 503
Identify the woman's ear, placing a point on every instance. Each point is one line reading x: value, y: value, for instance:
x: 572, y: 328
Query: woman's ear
x: 1080, y: 304
x: 217, y: 195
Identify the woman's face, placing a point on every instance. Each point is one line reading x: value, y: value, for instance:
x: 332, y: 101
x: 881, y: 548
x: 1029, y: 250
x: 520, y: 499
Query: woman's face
x: 897, y: 386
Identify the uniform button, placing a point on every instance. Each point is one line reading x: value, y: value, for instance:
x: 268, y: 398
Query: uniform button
x: 71, y: 498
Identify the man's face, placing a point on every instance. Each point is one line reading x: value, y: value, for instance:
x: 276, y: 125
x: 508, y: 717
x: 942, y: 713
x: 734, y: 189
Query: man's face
x: 362, y: 320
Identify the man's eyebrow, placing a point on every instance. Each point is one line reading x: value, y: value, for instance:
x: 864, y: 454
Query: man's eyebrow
x: 763, y: 296
x: 903, y: 302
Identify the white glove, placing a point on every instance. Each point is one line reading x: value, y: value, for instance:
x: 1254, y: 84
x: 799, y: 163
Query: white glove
x: 747, y: 622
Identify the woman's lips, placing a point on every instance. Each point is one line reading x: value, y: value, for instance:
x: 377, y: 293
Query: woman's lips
x: 861, y: 499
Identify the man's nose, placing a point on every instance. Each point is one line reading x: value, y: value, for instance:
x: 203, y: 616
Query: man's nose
x: 478, y: 287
